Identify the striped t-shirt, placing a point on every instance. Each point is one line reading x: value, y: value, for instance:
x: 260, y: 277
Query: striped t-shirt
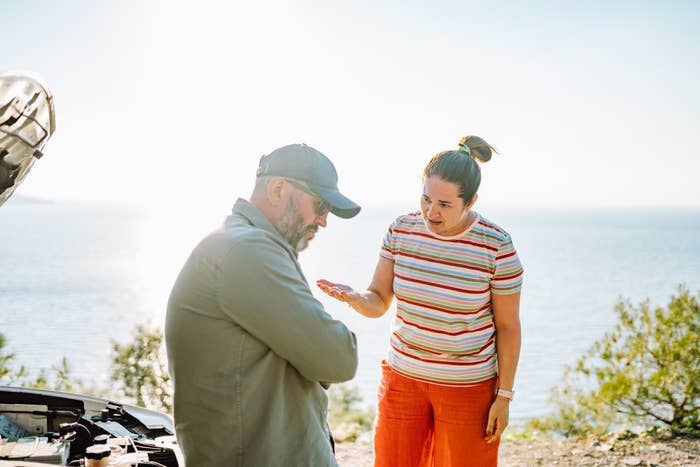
x: 444, y: 331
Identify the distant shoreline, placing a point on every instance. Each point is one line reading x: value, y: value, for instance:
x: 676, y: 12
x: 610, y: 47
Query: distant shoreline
x: 398, y: 208
x: 19, y: 200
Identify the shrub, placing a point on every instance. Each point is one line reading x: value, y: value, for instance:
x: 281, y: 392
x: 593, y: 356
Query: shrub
x: 346, y: 417
x: 646, y: 372
x: 140, y: 372
x: 9, y: 375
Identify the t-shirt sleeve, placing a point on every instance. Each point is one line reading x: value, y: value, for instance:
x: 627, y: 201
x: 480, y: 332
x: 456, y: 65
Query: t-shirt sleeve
x: 508, y: 273
x: 389, y: 243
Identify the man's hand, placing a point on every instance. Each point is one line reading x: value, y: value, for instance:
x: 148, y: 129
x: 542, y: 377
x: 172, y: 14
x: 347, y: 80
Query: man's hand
x: 498, y: 419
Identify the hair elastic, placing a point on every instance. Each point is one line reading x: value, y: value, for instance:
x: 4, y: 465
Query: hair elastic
x: 465, y: 149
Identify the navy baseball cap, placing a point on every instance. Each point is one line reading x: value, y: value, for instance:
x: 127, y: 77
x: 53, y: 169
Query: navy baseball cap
x: 302, y: 162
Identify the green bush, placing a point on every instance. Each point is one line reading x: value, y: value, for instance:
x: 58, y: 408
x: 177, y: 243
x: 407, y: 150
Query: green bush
x: 139, y: 370
x: 645, y: 373
x: 59, y: 378
x: 346, y: 417
x: 9, y: 375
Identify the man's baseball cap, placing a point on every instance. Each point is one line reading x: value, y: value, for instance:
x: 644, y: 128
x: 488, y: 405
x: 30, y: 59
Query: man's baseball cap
x: 302, y: 162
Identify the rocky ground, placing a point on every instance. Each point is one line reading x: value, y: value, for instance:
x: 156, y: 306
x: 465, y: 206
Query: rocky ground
x: 608, y: 452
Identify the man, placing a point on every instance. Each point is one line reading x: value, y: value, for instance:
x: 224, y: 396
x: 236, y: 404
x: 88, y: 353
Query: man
x: 249, y: 347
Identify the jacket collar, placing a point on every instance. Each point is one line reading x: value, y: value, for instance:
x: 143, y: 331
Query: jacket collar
x: 255, y: 217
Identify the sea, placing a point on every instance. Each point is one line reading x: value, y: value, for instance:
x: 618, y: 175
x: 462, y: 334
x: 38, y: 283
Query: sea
x: 77, y: 277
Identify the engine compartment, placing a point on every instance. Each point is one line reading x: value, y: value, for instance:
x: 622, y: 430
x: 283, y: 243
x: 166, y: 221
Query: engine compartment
x: 49, y: 428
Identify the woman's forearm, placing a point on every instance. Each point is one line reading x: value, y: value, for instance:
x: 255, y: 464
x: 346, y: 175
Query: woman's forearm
x: 370, y: 305
x: 508, y: 350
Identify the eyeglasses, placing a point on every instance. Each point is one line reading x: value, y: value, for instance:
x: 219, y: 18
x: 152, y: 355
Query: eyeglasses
x: 321, y: 206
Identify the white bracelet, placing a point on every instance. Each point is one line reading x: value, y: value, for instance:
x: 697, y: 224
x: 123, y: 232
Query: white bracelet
x: 505, y: 393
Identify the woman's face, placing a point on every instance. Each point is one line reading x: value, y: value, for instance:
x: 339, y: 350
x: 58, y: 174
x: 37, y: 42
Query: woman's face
x: 444, y: 212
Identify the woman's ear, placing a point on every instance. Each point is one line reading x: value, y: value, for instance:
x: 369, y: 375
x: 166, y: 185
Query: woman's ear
x: 471, y: 203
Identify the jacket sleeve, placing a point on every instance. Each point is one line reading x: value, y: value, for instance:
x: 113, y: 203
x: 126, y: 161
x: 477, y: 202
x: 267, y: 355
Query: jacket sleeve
x: 264, y: 293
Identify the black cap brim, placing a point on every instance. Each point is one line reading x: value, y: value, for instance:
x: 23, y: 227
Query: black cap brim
x: 341, y: 205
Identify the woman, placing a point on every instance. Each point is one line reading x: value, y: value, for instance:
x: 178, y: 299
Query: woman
x: 448, y: 377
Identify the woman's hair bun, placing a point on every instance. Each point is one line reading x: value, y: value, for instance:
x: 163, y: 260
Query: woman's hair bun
x: 477, y: 148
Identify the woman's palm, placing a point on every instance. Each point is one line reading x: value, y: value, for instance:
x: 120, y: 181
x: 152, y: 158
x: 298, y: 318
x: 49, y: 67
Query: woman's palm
x: 341, y: 292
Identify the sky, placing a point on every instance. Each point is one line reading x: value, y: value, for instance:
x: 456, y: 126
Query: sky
x: 590, y: 104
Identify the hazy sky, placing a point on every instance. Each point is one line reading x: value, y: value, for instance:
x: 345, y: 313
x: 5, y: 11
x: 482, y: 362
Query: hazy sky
x: 589, y: 103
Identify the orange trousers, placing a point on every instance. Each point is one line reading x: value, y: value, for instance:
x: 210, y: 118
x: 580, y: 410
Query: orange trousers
x: 428, y: 425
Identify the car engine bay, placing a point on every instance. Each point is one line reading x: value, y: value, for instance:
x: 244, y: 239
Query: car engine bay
x: 49, y: 428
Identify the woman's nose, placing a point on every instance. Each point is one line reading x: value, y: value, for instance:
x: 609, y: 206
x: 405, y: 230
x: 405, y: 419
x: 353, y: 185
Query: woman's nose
x: 432, y: 210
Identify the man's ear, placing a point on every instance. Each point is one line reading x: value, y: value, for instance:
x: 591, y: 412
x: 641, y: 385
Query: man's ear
x: 275, y: 191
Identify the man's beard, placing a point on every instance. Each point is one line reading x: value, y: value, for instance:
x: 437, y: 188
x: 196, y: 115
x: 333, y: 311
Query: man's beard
x: 291, y: 227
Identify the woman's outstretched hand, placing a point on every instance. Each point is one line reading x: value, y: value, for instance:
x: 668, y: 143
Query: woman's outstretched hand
x: 341, y: 292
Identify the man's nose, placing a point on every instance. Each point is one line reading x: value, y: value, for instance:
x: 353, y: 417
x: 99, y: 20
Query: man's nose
x: 322, y: 220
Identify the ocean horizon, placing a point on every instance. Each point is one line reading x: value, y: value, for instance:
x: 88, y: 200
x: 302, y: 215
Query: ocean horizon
x: 76, y: 276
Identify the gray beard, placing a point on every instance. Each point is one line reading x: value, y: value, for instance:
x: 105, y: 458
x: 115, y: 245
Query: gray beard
x: 291, y: 227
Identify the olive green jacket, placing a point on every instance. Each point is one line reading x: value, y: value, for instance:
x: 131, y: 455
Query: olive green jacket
x: 248, y: 346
